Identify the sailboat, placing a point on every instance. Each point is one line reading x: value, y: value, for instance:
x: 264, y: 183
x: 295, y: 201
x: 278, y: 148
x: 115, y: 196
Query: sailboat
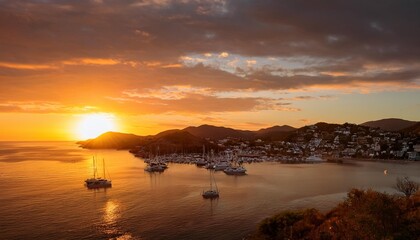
x: 156, y: 165
x: 201, y: 162
x: 212, y: 193
x: 98, y: 182
x: 235, y: 168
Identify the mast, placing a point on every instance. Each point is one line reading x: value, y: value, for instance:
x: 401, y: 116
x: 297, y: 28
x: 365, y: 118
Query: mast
x: 94, y: 167
x: 211, y: 184
x: 103, y: 162
x: 215, y: 184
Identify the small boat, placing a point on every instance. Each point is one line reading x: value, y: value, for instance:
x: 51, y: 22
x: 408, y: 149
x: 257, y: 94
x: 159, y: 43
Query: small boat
x: 221, y: 166
x: 314, y: 159
x: 98, y: 182
x: 235, y: 170
x: 213, y: 192
x: 201, y: 162
x: 156, y: 165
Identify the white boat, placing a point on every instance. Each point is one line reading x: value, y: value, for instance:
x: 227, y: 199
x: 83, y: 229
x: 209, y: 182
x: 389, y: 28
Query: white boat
x: 314, y: 159
x: 156, y: 165
x: 235, y: 170
x: 98, y: 182
x: 221, y: 166
x: 201, y: 162
x: 209, y: 165
x: 212, y: 192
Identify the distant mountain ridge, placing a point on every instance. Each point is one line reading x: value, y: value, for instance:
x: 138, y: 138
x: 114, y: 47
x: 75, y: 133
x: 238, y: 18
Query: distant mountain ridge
x: 277, y: 128
x: 193, y: 138
x: 217, y: 133
x: 167, y: 141
x: 390, y: 124
x: 190, y: 137
x: 112, y: 140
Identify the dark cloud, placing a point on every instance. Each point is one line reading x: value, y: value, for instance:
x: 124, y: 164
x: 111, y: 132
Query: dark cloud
x: 378, y: 30
x: 87, y: 52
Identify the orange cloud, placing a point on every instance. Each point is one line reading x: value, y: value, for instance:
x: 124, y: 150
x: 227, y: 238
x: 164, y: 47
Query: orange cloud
x: 92, y: 61
x: 177, y: 65
x: 336, y: 74
x: 22, y: 66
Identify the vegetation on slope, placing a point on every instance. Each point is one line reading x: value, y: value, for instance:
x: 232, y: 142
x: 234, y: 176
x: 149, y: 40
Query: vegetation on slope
x: 365, y: 214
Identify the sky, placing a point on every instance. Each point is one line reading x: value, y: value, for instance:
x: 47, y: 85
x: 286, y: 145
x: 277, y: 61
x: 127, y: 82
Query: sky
x: 153, y: 65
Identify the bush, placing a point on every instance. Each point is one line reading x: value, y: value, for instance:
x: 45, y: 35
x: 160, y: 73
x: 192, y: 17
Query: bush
x: 365, y: 214
x: 406, y: 186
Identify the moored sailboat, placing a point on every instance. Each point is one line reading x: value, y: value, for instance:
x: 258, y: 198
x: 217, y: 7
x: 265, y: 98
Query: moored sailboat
x: 156, y: 165
x: 235, y: 168
x: 212, y: 192
x: 98, y: 182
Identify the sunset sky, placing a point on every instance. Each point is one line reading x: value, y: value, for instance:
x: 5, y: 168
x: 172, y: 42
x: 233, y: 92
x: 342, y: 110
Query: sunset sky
x: 153, y: 65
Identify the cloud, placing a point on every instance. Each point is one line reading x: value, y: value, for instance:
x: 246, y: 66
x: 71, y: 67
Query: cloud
x: 228, y: 53
x: 43, y: 107
x: 91, y: 61
x: 304, y: 120
x: 223, y: 55
x: 20, y: 66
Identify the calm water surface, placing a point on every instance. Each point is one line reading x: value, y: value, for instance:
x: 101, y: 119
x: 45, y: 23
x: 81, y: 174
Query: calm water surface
x: 43, y: 196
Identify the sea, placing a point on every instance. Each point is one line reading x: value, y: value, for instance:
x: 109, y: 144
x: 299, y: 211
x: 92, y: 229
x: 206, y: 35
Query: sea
x: 42, y: 194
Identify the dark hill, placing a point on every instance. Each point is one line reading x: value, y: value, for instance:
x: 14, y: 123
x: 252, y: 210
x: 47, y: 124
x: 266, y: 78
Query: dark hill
x: 412, y: 129
x: 217, y: 133
x: 171, y: 141
x: 113, y: 140
x: 275, y: 133
x: 390, y: 124
x: 284, y: 128
x: 176, y: 141
x: 328, y: 127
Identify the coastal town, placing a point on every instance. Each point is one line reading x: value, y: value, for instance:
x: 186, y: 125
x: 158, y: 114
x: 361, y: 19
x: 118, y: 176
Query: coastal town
x: 316, y: 143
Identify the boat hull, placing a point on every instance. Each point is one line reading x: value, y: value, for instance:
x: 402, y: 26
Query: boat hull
x: 210, y: 194
x: 235, y: 173
x: 91, y: 184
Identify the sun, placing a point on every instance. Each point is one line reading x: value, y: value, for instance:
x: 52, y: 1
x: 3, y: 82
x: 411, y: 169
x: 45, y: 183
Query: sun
x: 93, y: 125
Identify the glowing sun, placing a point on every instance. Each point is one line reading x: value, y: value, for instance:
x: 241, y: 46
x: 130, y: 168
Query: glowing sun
x: 93, y: 125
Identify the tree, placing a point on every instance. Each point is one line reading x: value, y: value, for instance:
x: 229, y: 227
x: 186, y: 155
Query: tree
x: 406, y: 186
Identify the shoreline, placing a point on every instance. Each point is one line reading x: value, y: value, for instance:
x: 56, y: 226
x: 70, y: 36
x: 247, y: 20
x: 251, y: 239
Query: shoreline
x: 343, y: 160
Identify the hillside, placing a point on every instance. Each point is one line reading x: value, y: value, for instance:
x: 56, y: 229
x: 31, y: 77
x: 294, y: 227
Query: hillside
x: 284, y: 128
x: 275, y: 133
x: 217, y: 133
x: 193, y: 138
x: 378, y: 215
x: 390, y: 124
x: 188, y: 139
x: 412, y: 129
x: 164, y: 142
x: 175, y: 141
x: 112, y: 140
